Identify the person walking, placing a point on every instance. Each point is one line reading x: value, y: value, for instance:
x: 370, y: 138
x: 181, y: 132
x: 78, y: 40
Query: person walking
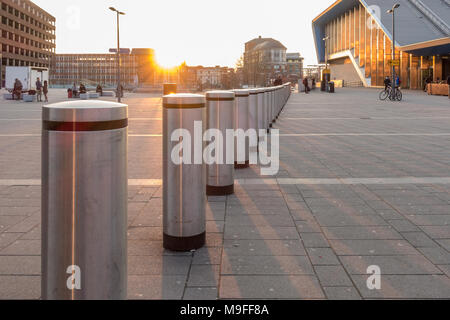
x: 45, y: 90
x: 39, y: 90
x: 306, y: 85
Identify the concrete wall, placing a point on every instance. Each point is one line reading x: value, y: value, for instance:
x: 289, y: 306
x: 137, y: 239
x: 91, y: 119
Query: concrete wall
x: 343, y: 69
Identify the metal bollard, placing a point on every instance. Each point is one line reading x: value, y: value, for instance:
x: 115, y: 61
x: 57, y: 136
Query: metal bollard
x: 262, y: 109
x: 84, y: 201
x: 253, y: 113
x: 241, y: 122
x: 184, y: 177
x: 271, y: 108
x: 170, y: 88
x: 220, y: 116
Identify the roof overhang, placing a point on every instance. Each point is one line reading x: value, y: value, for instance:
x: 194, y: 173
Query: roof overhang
x: 429, y: 48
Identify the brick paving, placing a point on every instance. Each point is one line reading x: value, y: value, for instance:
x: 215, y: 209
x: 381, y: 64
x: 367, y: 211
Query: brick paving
x: 347, y: 197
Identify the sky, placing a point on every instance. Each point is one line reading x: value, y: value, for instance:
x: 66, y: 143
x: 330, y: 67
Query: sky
x: 200, y: 32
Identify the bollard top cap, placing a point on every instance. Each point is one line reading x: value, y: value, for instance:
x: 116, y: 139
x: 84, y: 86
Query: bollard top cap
x: 253, y: 91
x: 242, y: 92
x: 184, y: 100
x: 261, y: 90
x: 84, y: 111
x: 220, y: 94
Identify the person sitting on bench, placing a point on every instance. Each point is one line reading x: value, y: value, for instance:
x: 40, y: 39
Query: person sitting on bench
x: 82, y: 89
x: 99, y: 90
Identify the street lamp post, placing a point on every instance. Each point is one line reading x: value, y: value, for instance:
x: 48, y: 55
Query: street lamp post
x: 393, y: 48
x: 119, y: 91
x: 326, y: 61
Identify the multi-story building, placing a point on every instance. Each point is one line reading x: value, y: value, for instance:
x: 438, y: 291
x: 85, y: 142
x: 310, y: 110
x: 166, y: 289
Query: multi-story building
x: 264, y: 61
x: 355, y: 38
x: 136, y: 68
x: 207, y: 77
x: 294, y: 65
x: 27, y: 35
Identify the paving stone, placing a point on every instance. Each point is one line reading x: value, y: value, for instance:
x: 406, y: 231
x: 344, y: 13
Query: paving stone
x: 418, y: 239
x: 156, y: 287
x: 322, y: 256
x: 406, y: 287
x: 145, y: 233
x: 16, y: 265
x: 260, y: 220
x: 332, y: 276
x: 26, y: 224
x: 403, y: 226
x: 260, y: 233
x: 201, y: 294
x: 445, y: 268
x: 22, y: 248
x: 372, y: 247
x: 264, y: 248
x: 437, y: 255
x: 270, y: 287
x: 18, y: 211
x: 207, y: 255
x: 361, y: 233
x: 314, y: 240
x: 430, y: 220
x: 157, y: 265
x: 266, y: 265
x: 445, y: 243
x: 342, y: 293
x: 9, y: 221
x: 7, y: 238
x: 204, y: 276
x: 215, y: 226
x: 389, y: 214
x: 309, y: 226
x: 437, y: 232
x: 342, y: 220
x: 409, y: 264
x: 20, y: 287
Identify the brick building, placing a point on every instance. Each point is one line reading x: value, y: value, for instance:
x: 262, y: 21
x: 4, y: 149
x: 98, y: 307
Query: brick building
x: 27, y: 35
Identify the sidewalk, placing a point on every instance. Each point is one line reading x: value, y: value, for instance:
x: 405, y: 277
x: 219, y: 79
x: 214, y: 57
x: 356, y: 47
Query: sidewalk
x: 345, y: 198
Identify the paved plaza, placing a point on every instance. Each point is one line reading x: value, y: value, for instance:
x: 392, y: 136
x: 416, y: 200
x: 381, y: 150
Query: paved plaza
x: 362, y: 182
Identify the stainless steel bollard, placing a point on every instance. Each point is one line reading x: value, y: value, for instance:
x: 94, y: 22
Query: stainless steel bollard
x: 262, y: 109
x: 271, y: 108
x: 253, y: 113
x: 242, y: 122
x: 84, y: 201
x: 220, y: 116
x: 184, y: 177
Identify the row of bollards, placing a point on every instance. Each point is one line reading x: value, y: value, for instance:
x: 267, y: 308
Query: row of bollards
x: 85, y: 180
x: 184, y: 184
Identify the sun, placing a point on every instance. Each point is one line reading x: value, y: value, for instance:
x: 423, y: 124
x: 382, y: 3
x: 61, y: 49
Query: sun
x: 166, y: 60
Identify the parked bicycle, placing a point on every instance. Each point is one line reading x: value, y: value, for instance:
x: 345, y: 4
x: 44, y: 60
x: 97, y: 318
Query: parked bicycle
x: 389, y: 93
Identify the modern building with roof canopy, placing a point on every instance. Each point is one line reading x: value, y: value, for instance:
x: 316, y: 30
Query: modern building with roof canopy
x: 355, y: 38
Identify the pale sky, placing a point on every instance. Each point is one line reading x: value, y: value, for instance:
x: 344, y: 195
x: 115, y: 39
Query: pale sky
x: 200, y: 32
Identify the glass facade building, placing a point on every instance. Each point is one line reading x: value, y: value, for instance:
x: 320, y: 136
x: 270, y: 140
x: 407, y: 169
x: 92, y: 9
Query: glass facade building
x: 358, y: 45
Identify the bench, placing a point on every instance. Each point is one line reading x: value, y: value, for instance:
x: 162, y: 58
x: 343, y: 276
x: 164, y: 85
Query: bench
x: 28, y: 97
x: 108, y: 94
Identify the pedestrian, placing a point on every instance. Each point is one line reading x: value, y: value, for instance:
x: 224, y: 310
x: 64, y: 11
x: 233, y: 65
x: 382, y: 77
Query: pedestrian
x: 428, y: 81
x: 17, y: 91
x: 448, y: 82
x: 39, y: 90
x: 74, y: 90
x: 45, y: 90
x: 398, y: 82
x: 305, y: 83
x: 387, y: 83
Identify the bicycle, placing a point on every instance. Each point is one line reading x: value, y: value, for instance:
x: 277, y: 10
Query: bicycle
x: 388, y: 93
